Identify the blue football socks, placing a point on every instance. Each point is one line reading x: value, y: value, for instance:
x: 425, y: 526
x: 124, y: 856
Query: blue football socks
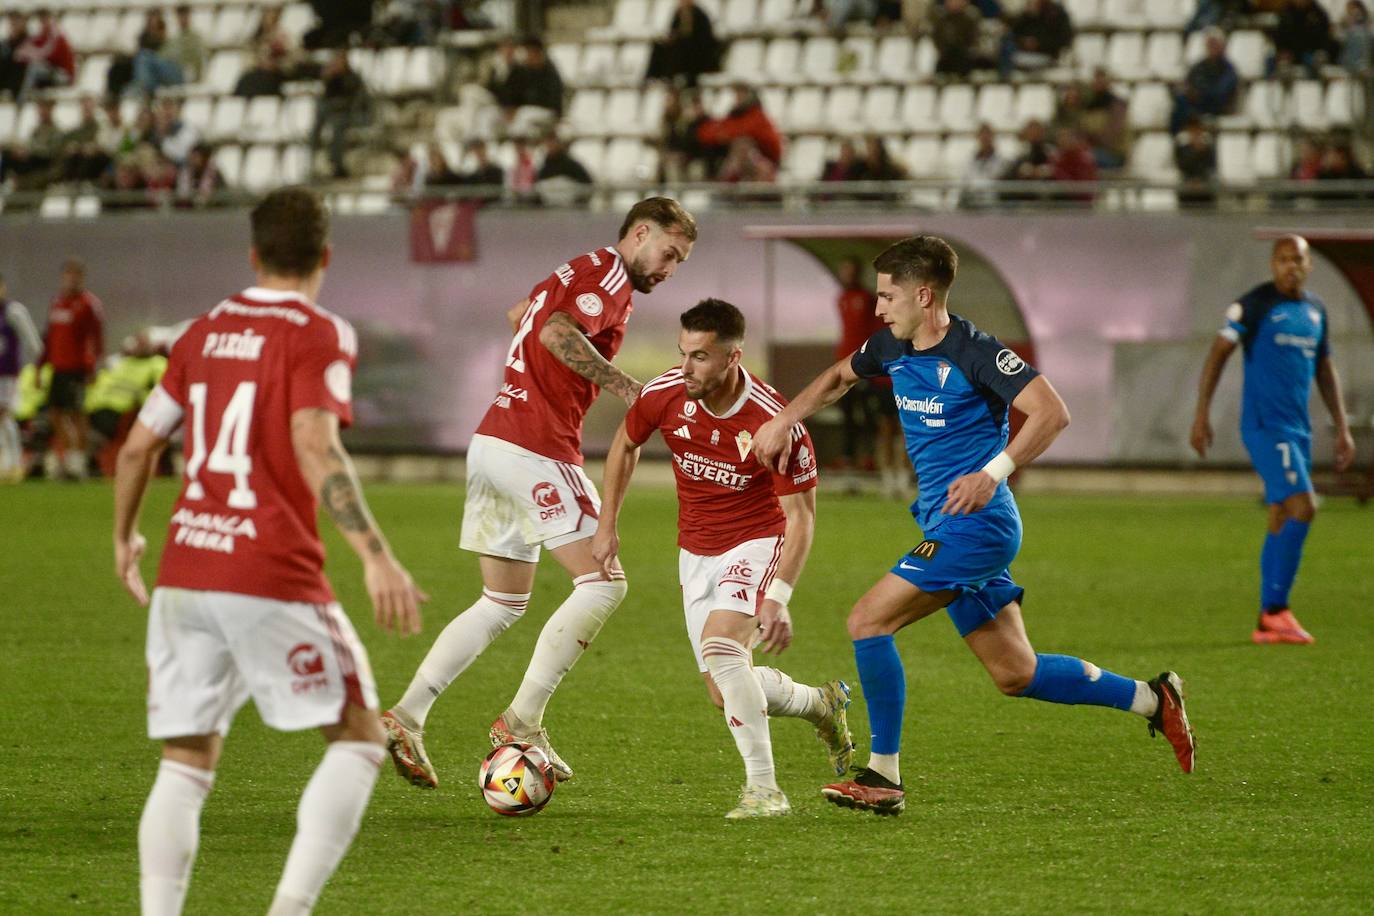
x: 884, y: 683
x: 1279, y: 563
x: 1065, y: 679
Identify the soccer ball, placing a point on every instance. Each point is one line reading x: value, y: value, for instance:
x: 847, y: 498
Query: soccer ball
x: 516, y: 779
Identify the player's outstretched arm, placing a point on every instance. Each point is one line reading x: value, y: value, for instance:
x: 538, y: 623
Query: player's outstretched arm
x: 561, y: 336
x: 773, y: 440
x: 1046, y: 417
x: 1329, y: 384
x: 620, y: 467
x: 775, y: 623
x: 1201, y: 435
x: 133, y: 468
x: 328, y: 471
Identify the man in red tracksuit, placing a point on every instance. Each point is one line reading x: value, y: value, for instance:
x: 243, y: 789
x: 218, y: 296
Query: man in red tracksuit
x: 73, y: 344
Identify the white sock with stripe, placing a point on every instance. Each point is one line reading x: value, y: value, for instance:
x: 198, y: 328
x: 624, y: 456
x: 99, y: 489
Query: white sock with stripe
x: 465, y: 637
x: 565, y: 637
x: 788, y: 698
x: 330, y: 811
x: 731, y: 664
x: 168, y: 834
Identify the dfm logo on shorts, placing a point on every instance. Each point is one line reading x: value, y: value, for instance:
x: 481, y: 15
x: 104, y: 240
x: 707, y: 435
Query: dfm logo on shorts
x: 550, y: 503
x: 307, y: 664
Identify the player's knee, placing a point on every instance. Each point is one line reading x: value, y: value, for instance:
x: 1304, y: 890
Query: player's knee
x: 862, y: 623
x: 1304, y: 511
x: 1013, y: 679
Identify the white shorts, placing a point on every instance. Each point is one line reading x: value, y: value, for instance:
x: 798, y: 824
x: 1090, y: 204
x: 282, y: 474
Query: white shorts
x: 517, y: 500
x: 733, y: 581
x: 9, y: 389
x: 208, y: 652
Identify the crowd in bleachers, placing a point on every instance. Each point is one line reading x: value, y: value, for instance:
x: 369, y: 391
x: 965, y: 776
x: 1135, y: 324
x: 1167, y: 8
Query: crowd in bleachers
x: 170, y: 104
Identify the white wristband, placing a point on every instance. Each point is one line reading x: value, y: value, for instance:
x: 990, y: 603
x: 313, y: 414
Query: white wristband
x: 1000, y: 467
x: 778, y: 591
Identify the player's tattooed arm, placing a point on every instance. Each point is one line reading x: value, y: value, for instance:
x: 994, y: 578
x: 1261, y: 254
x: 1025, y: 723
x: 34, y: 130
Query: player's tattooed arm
x: 565, y: 340
x: 343, y: 500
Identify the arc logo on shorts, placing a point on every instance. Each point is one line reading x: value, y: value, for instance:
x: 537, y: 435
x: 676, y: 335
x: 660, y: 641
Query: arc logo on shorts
x: 549, y: 501
x: 927, y: 549
x: 740, y: 573
x: 307, y: 664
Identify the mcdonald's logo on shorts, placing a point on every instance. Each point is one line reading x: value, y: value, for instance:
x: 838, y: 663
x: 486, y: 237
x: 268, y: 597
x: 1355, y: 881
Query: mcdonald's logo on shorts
x: 926, y: 550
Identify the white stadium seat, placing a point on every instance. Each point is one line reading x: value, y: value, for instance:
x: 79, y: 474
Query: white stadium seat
x: 262, y: 119
x: 296, y: 164
x: 651, y: 102
x: 590, y: 153
x: 804, y: 158
x: 819, y: 58
x: 9, y: 116
x: 101, y: 29
x: 621, y: 113
x: 927, y: 56
x: 632, y: 63
x: 1034, y: 102
x: 805, y: 109
x: 1265, y: 105
x: 894, y: 58
x: 1170, y: 15
x: 623, y: 161
x: 55, y: 206
x: 956, y: 108
x: 858, y: 55
x: 1269, y: 156
x: 229, y: 160
x: 1149, y: 107
x: 996, y: 104
x: 737, y: 17
x: 222, y: 72
x: 260, y: 169
x: 597, y: 65
x: 86, y: 206
x: 27, y: 121
x: 424, y: 69
x: 90, y: 79
x: 1126, y: 55
x: 66, y: 114
x: 298, y: 117
x: 921, y: 156
x: 129, y: 28
x: 1233, y: 158
x: 1084, y: 14
x: 1247, y: 50
x: 196, y: 111
x: 844, y: 109
x: 227, y: 122
x: 918, y: 109
x: 1089, y: 51
x: 1164, y: 55
x: 774, y: 13
x: 586, y: 115
x: 880, y: 109
x: 1126, y: 14
x: 744, y: 60
x: 1307, y: 104
x: 1340, y: 102
x: 1152, y: 157
x: 566, y: 56
x: 955, y: 154
x: 782, y: 61
x: 296, y: 20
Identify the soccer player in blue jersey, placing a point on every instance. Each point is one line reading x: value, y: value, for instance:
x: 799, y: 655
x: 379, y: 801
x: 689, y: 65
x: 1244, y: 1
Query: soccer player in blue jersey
x: 953, y: 385
x: 1283, y: 331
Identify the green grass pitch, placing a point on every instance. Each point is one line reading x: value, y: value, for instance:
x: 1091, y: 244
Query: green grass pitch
x: 1014, y: 806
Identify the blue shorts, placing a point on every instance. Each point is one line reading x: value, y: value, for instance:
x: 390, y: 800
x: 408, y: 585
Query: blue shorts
x: 1283, y: 459
x: 968, y: 554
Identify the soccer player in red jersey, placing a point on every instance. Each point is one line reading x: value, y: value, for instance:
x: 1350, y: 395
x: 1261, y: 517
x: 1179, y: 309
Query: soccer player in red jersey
x: 525, y: 485
x: 744, y: 535
x: 73, y: 344
x: 262, y: 383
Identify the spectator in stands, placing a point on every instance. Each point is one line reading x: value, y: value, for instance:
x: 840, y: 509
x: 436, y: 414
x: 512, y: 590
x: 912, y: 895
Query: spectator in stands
x: 535, y: 80
x: 83, y: 159
x: 410, y: 23
x: 877, y: 164
x: 186, y: 48
x: 272, y: 39
x: 1211, y: 87
x: 1311, y: 155
x: 1195, y: 156
x: 1037, y: 37
x: 745, y: 119
x: 680, y: 154
x: 845, y: 164
x: 1105, y: 122
x: 956, y: 28
x: 46, y: 142
x: 1340, y: 164
x: 47, y: 56
x: 198, y: 179
x: 173, y: 136
x: 524, y: 172
x: 11, y: 66
x: 1034, y: 162
x: 983, y: 171
x: 152, y: 69
x: 498, y: 69
x: 484, y: 173
x: 265, y: 77
x: 745, y: 162
x: 1072, y: 159
x: 688, y: 50
x: 339, y: 22
x: 1302, y: 37
x: 559, y: 163
x: 116, y: 138
x: 1355, y: 39
x: 1222, y: 13
x: 438, y: 173
x: 342, y: 106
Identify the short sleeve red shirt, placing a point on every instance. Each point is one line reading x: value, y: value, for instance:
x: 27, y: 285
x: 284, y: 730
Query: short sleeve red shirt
x: 726, y: 496
x: 245, y: 521
x: 75, y: 335
x: 542, y: 402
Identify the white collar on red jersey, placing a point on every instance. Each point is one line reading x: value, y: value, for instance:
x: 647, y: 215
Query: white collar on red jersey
x: 260, y: 294
x: 743, y: 396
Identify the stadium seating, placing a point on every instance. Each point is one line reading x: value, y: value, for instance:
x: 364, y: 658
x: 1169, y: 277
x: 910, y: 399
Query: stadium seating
x: 817, y: 86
